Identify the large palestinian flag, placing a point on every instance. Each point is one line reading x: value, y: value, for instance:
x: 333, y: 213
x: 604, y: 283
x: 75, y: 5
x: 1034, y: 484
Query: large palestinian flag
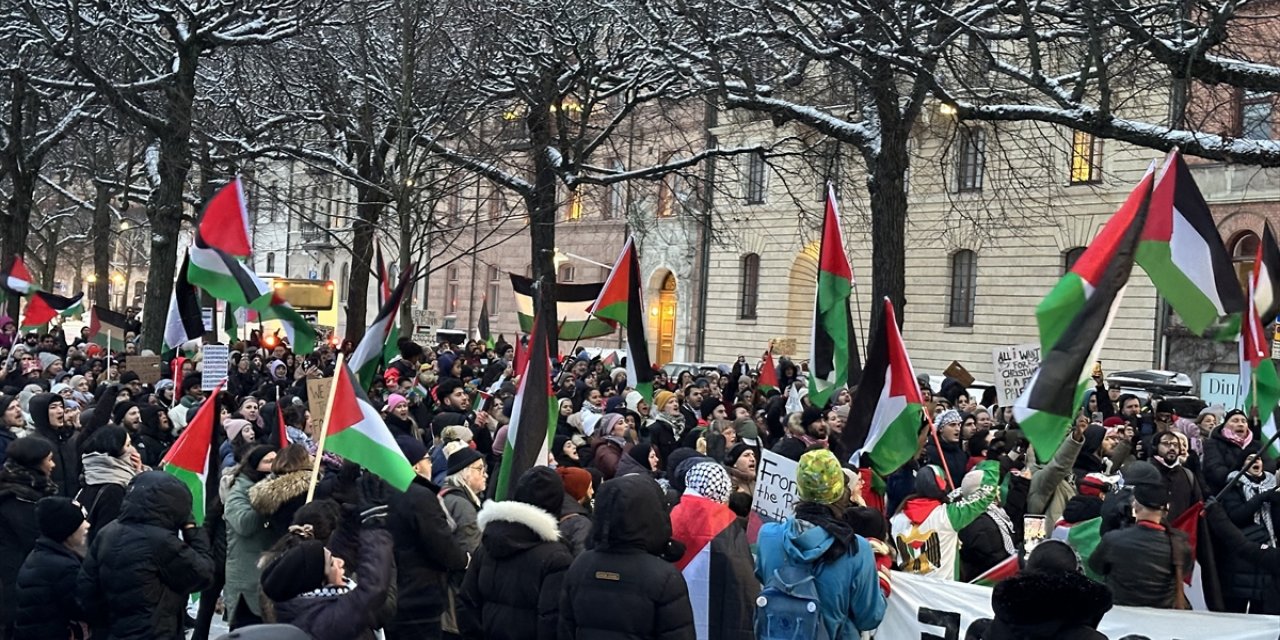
x: 834, y: 363
x: 43, y: 307
x: 1266, y: 278
x: 572, y: 302
x: 107, y: 328
x: 17, y: 280
x: 768, y: 373
x: 186, y: 318
x: 1202, y: 584
x: 380, y: 338
x: 621, y: 302
x: 533, y: 417
x: 1074, y: 319
x: 887, y: 410
x: 1258, y: 376
x: 1084, y: 538
x: 188, y: 458
x: 1182, y: 251
x: 355, y: 431
x: 224, y: 223
x: 715, y: 567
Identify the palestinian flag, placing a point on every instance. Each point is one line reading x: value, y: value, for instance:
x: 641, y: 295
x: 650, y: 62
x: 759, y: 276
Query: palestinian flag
x: 768, y: 373
x: 1003, y: 570
x: 715, y: 567
x: 572, y: 304
x: 621, y: 302
x: 107, y: 328
x: 1254, y: 347
x: 482, y: 325
x: 188, y: 458
x: 380, y: 338
x: 17, y: 280
x: 888, y: 409
x: 384, y: 280
x: 355, y: 431
x: 224, y: 277
x: 533, y: 417
x: 1202, y: 585
x: 282, y: 432
x: 521, y: 356
x: 1084, y: 538
x: 1266, y: 278
x: 834, y: 363
x: 224, y: 223
x: 186, y: 319
x: 43, y: 307
x: 300, y: 333
x: 1182, y: 251
x: 1074, y: 319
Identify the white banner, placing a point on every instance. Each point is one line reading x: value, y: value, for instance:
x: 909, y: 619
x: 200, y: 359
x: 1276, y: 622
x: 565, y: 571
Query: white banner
x: 1014, y: 367
x: 929, y: 609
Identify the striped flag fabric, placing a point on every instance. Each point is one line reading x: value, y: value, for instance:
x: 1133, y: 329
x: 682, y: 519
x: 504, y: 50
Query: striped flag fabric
x: 224, y: 223
x: 43, y: 307
x: 1182, y: 251
x: 482, y: 325
x: 768, y: 373
x: 714, y: 544
x: 1258, y: 377
x: 355, y: 431
x: 888, y: 409
x: 380, y: 338
x: 16, y: 280
x: 1083, y: 537
x: 188, y: 458
x: 1202, y: 585
x: 621, y: 303
x: 1074, y: 319
x: 533, y: 417
x: 834, y: 363
x: 230, y: 280
x: 186, y: 319
x: 1266, y: 278
x: 1003, y: 570
x: 107, y: 328
x: 572, y: 302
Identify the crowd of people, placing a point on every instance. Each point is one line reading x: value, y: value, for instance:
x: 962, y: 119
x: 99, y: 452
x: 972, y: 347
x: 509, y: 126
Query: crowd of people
x: 638, y: 526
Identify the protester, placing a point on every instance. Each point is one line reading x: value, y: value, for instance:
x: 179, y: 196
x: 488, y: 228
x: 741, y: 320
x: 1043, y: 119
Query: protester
x: 1049, y: 599
x: 927, y: 525
x: 575, y: 516
x: 24, y: 480
x: 47, y: 414
x: 248, y: 536
x: 110, y: 464
x: 1253, y: 505
x: 46, y: 583
x: 1143, y: 564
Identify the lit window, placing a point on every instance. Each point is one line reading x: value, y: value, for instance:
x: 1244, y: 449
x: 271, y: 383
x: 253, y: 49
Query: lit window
x: 971, y: 159
x: 574, y: 212
x: 750, y: 286
x: 1086, y: 158
x: 964, y: 280
x: 451, y: 290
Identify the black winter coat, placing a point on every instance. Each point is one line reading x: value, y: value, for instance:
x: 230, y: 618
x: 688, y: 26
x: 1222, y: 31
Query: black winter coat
x: 139, y: 572
x: 47, y: 606
x: 1267, y: 560
x: 1036, y: 605
x: 66, y: 453
x: 102, y: 503
x: 329, y: 614
x: 1242, y: 578
x: 19, y: 492
x: 1221, y: 457
x: 1137, y: 562
x: 513, y: 583
x: 621, y: 589
x: 575, y: 525
x: 425, y: 552
x: 981, y: 547
x: 956, y: 457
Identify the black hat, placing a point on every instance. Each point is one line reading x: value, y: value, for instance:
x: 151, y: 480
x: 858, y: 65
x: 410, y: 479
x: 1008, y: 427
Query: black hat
x: 121, y: 408
x: 295, y: 572
x: 811, y: 415
x: 128, y: 376
x: 29, y: 452
x: 736, y: 452
x: 59, y: 517
x: 267, y: 632
x: 462, y: 458
x: 1151, y: 496
x: 542, y: 488
x: 412, y: 448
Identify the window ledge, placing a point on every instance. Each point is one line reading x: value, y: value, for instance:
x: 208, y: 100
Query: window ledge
x: 958, y: 330
x: 748, y: 321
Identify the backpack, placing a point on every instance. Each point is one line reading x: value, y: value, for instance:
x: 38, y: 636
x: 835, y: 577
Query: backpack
x: 788, y: 608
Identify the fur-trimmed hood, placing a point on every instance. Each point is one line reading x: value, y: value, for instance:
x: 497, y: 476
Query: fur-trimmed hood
x: 1048, y: 604
x: 268, y: 496
x: 511, y: 527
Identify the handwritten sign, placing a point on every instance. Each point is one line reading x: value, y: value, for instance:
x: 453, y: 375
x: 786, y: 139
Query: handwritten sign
x: 148, y: 368
x: 776, y: 494
x: 318, y: 397
x: 213, y: 368
x: 957, y: 372
x: 1014, y: 367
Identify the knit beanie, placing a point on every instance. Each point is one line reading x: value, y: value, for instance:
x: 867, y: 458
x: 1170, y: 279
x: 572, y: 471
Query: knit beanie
x: 736, y: 452
x: 461, y: 459
x: 233, y: 426
x: 576, y: 481
x: 295, y: 572
x: 709, y: 480
x: 931, y: 482
x: 28, y: 452
x: 394, y: 400
x: 818, y: 477
x: 542, y: 488
x: 810, y: 416
x: 633, y: 400
x: 48, y: 359
x: 660, y: 400
x: 121, y: 408
x: 58, y: 517
x: 971, y: 482
x: 747, y: 429
x: 412, y: 448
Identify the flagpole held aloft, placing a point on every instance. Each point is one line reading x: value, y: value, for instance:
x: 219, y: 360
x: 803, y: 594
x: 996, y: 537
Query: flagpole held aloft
x: 324, y: 429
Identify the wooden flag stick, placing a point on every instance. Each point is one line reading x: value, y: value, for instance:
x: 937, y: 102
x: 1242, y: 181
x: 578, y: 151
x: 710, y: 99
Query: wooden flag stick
x: 324, y: 429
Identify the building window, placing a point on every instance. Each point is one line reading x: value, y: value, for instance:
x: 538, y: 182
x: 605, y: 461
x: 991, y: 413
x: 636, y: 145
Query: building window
x: 272, y: 202
x: 574, y: 212
x: 495, y: 206
x: 1086, y: 158
x: 1244, y: 252
x: 615, y: 198
x: 139, y: 289
x: 964, y: 280
x: 271, y: 262
x: 669, y: 198
x: 1069, y: 258
x: 324, y: 272
x: 971, y: 159
x: 451, y: 291
x: 344, y: 284
x: 1255, y: 115
x: 495, y: 290
x: 755, y: 178
x: 750, y: 286
x: 564, y: 273
x: 455, y: 208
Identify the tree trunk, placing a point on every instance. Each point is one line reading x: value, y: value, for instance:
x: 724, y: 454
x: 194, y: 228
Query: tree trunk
x: 165, y: 207
x: 17, y: 222
x: 368, y: 210
x: 100, y: 232
x: 541, y: 203
x: 886, y: 184
x: 49, y: 270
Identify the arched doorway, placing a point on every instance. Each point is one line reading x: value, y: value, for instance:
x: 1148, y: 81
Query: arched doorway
x: 801, y: 283
x: 667, y: 319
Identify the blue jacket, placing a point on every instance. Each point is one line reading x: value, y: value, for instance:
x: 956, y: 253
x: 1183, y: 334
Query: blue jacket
x: 848, y: 589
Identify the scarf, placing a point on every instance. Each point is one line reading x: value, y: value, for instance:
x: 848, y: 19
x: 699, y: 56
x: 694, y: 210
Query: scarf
x: 821, y: 515
x: 331, y: 591
x: 100, y: 468
x: 1005, y: 525
x: 1250, y: 488
x: 26, y: 482
x: 1239, y: 441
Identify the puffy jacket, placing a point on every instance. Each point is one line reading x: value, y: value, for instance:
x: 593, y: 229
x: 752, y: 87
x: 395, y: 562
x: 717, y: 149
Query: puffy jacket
x: 621, y: 589
x: 342, y: 614
x: 1048, y: 605
x: 956, y: 458
x: 277, y: 498
x: 1137, y: 562
x: 47, y: 606
x: 425, y: 551
x: 463, y: 511
x: 1243, y: 578
x: 138, y: 572
x: 19, y: 492
x: 605, y: 456
x: 248, y: 535
x: 1051, y: 487
x: 66, y: 453
x: 575, y: 525
x: 848, y: 589
x: 513, y: 583
x: 1221, y: 457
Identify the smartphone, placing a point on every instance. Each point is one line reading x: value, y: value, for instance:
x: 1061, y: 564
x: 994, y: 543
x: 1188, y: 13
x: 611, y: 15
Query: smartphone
x: 1033, y: 527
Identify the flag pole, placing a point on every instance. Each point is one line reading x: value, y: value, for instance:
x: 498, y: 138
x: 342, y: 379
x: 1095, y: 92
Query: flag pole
x: 324, y: 429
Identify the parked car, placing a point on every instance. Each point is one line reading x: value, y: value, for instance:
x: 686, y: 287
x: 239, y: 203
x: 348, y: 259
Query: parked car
x: 1152, y: 381
x: 673, y: 369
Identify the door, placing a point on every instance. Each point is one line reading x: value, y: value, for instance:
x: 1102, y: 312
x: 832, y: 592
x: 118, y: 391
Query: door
x: 667, y: 320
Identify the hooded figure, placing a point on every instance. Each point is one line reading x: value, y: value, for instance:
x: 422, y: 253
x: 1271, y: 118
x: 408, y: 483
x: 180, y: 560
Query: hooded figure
x: 1050, y: 599
x: 513, y: 582
x: 23, y: 482
x: 623, y: 587
x: 66, y: 455
x: 139, y: 571
x: 926, y: 528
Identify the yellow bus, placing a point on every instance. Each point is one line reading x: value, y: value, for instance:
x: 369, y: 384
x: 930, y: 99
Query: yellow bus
x: 312, y: 299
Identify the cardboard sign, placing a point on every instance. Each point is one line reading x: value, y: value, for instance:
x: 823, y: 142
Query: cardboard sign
x: 1014, y: 367
x: 213, y: 367
x: 318, y: 397
x: 959, y: 373
x: 776, y: 494
x: 784, y: 346
x: 148, y: 368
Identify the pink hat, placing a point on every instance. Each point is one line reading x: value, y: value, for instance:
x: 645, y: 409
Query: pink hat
x: 394, y: 400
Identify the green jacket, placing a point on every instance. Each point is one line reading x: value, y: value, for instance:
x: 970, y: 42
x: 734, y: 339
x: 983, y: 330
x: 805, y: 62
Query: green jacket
x: 248, y: 536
